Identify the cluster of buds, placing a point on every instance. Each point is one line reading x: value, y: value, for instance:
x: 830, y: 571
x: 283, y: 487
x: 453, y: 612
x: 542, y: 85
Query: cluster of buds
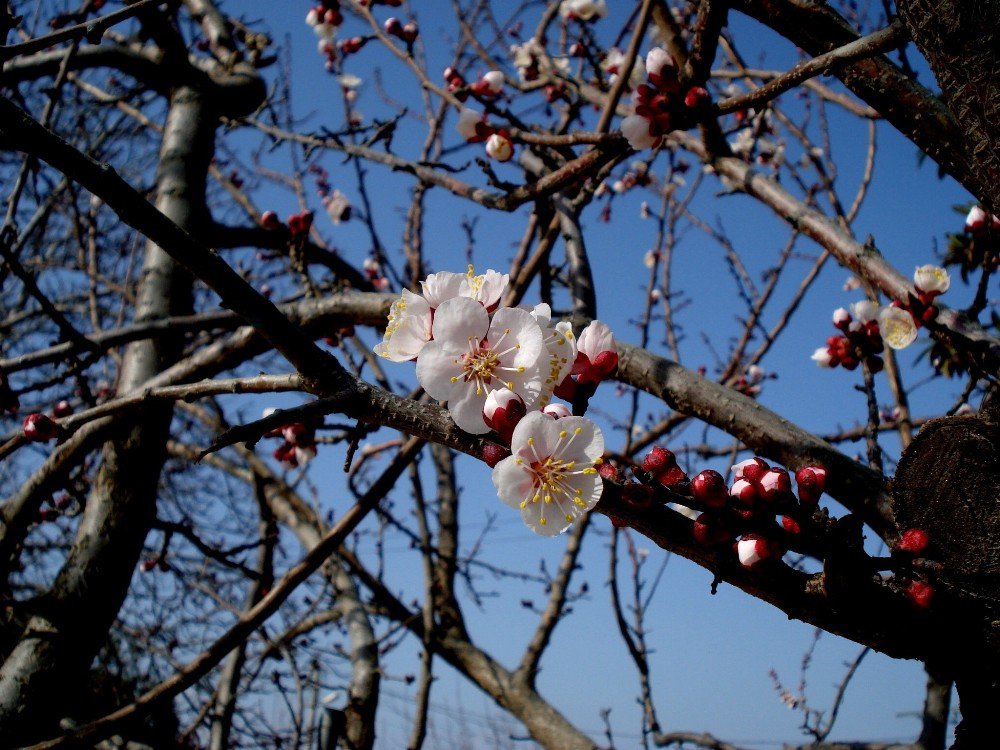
x: 325, y: 18
x: 299, y: 225
x: 861, y: 339
x: 749, y: 383
x: 757, y: 491
x: 472, y: 126
x: 866, y: 328
x: 488, y: 87
x: 912, y: 544
x: 407, y: 33
x: 298, y: 446
x: 659, y: 103
x: 9, y: 401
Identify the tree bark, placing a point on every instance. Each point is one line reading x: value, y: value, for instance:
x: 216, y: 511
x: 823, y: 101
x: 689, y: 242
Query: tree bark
x: 961, y: 40
x: 72, y: 620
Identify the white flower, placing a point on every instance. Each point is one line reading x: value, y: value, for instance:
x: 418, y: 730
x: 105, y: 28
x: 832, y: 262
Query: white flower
x: 494, y: 80
x: 931, y: 278
x: 469, y: 356
x: 583, y: 9
x: 408, y: 329
x: 486, y: 288
x: 338, y: 207
x: 897, y: 327
x: 550, y: 475
x: 864, y: 311
x: 635, y: 128
x: 656, y: 60
x: 499, y: 147
x: 468, y: 119
x: 822, y: 357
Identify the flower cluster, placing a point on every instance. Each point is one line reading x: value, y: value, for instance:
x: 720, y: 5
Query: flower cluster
x: 659, y: 103
x: 866, y: 328
x: 324, y: 19
x: 474, y: 128
x: 498, y: 368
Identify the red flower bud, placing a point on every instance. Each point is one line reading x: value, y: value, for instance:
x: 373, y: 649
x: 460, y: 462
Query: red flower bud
x: 710, y: 531
x: 920, y: 594
x: 775, y: 485
x: 62, y: 409
x: 745, y: 491
x: 709, y: 487
x: 609, y: 471
x: 752, y: 469
x: 270, y: 221
x: 696, y: 97
x: 811, y: 481
x: 494, y: 454
x: 790, y: 525
x: 913, y: 541
x: 393, y: 26
x: 662, y: 464
x: 38, y: 428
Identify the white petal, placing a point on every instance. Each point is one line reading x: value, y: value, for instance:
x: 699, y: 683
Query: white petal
x: 436, y: 367
x: 594, y: 339
x: 442, y: 286
x: 466, y: 407
x: 635, y: 128
x: 513, y: 482
x: 931, y: 278
x: 459, y: 320
x: 524, y: 333
x: 586, y: 446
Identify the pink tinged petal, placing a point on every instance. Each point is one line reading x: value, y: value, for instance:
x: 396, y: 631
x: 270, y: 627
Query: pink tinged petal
x: 513, y: 482
x: 585, y: 446
x: 635, y: 128
x: 596, y: 338
x: 657, y: 59
x: 466, y: 407
x: 436, y: 366
x: 409, y: 339
x: 460, y: 320
x: 532, y: 427
x: 468, y: 119
x: 516, y: 337
x: 442, y: 286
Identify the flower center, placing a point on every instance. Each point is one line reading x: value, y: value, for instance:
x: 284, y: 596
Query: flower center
x: 479, y: 366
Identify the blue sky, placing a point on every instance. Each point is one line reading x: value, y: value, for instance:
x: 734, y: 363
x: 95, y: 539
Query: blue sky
x: 712, y: 654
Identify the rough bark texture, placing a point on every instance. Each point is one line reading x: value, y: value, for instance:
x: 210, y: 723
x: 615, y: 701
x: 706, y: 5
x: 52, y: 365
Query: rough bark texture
x: 961, y: 41
x: 71, y: 622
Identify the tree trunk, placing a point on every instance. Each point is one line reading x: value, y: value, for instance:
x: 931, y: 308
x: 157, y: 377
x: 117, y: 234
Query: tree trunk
x: 72, y: 620
x: 960, y: 40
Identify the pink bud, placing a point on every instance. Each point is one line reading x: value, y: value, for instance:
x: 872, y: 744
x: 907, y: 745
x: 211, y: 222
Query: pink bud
x: 745, y: 491
x: 609, y: 471
x: 494, y: 454
x: 775, y: 485
x: 409, y: 33
x: 790, y: 525
x: 393, y: 26
x: 811, y: 481
x: 752, y: 469
x: 696, y: 97
x: 38, y: 428
x: 270, y: 221
x: 976, y: 220
x: 662, y: 464
x: 62, y: 409
x: 842, y: 318
x: 502, y: 411
x: 557, y: 410
x: 499, y: 147
x: 753, y: 550
x: 709, y: 487
x: 913, y: 541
